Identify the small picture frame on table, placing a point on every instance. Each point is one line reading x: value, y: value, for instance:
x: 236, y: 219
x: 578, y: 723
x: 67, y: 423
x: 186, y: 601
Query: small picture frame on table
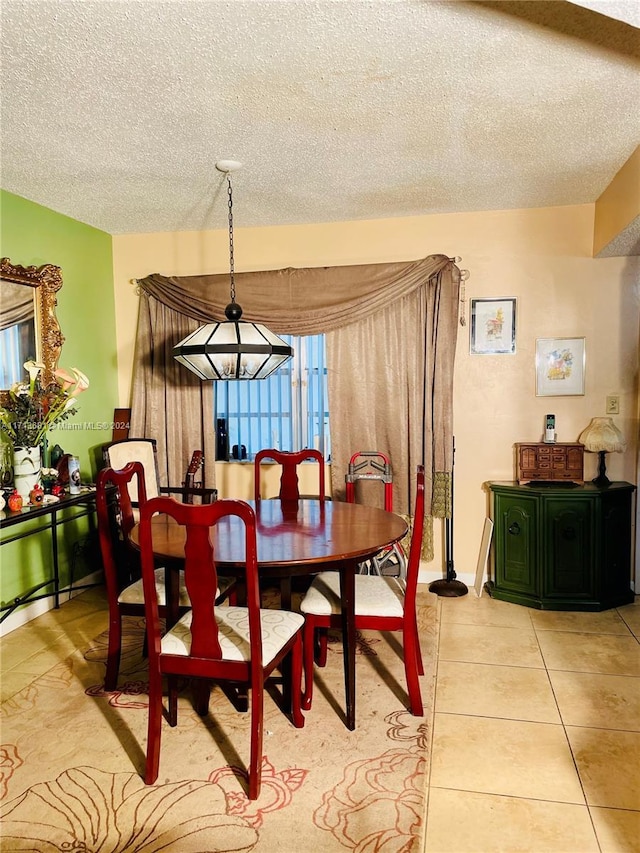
x: 493, y: 326
x: 560, y: 366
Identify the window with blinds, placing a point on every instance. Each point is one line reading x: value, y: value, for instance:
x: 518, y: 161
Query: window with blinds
x: 287, y: 411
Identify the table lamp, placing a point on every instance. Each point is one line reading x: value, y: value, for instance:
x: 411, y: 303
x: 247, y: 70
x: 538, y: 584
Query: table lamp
x: 602, y: 436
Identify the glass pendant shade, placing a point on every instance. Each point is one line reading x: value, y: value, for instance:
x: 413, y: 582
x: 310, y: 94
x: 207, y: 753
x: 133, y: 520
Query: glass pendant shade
x: 233, y: 349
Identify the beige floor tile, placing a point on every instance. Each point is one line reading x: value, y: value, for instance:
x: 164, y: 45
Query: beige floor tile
x: 617, y: 831
x: 631, y: 617
x: 608, y: 763
x: 602, y: 653
x: 12, y: 682
x: 44, y: 659
x: 597, y: 701
x: 466, y: 822
x: 490, y: 644
x: 22, y: 644
x: 73, y: 612
x: 605, y: 622
x: 512, y: 758
x: 470, y: 610
x: 483, y: 690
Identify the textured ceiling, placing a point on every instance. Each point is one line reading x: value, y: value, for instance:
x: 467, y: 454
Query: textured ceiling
x: 114, y: 112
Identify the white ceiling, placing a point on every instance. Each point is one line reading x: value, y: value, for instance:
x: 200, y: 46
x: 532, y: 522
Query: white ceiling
x: 114, y: 112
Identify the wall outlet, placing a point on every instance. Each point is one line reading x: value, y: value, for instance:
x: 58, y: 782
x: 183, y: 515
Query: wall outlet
x: 613, y: 405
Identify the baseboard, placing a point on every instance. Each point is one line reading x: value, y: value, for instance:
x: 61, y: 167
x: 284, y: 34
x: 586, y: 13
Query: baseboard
x: 429, y: 575
x: 43, y: 605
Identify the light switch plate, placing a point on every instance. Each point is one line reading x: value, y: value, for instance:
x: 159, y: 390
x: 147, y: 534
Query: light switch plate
x: 613, y: 405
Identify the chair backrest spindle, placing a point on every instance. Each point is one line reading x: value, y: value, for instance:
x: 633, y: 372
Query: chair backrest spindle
x: 200, y: 570
x: 289, y: 460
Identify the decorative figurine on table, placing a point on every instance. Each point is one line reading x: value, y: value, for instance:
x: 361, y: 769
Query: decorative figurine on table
x: 49, y: 477
x: 15, y: 501
x: 36, y: 495
x: 56, y: 455
x: 57, y: 490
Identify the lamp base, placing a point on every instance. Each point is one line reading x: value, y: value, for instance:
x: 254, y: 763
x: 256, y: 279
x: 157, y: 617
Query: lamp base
x: 448, y: 589
x: 602, y: 481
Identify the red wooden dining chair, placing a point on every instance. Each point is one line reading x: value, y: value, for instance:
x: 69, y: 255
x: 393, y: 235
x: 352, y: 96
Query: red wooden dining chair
x: 117, y: 454
x: 381, y: 604
x: 289, y: 490
x: 121, y: 562
x: 235, y: 644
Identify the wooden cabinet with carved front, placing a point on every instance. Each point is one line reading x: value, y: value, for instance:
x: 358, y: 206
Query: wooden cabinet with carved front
x: 554, y: 463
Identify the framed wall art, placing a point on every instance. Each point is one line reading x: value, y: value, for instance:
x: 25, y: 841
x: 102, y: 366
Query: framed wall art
x: 493, y: 326
x: 560, y: 364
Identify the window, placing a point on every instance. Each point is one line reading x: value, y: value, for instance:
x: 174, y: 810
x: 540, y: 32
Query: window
x: 288, y: 411
x: 17, y: 345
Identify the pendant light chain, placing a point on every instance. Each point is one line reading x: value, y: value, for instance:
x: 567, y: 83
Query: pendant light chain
x: 231, y: 268
x: 233, y: 348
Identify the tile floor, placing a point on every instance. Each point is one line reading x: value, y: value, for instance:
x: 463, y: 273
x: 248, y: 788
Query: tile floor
x: 536, y: 736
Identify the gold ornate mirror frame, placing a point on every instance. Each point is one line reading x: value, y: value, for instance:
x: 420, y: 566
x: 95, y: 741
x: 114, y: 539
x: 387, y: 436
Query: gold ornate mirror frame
x: 47, y: 281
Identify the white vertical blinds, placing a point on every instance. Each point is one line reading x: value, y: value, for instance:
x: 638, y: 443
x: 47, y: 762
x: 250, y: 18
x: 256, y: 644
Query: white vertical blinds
x: 287, y: 411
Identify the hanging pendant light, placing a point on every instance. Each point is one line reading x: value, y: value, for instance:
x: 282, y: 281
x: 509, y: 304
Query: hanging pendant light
x: 233, y: 348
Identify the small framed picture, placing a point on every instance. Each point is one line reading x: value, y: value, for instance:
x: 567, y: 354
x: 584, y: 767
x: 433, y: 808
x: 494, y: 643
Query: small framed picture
x: 493, y: 326
x: 560, y: 364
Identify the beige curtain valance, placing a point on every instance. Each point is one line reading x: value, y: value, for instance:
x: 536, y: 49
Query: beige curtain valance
x: 306, y: 301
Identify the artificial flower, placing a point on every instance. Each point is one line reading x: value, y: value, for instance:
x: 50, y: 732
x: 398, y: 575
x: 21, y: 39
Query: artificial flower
x: 73, y: 385
x: 33, y: 409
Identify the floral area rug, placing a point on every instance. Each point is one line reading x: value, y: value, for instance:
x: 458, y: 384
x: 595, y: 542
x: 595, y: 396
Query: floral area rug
x: 73, y: 755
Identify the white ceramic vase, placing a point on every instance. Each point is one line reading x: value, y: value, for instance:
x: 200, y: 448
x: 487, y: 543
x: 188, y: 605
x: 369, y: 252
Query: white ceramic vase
x: 26, y: 470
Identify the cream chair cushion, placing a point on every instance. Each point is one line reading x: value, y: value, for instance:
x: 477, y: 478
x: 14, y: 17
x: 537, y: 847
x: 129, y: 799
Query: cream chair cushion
x: 277, y: 628
x: 134, y: 594
x: 375, y: 595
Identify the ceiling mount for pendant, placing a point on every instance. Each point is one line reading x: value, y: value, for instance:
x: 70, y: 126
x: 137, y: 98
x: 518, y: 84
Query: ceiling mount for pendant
x: 234, y: 348
x: 228, y: 165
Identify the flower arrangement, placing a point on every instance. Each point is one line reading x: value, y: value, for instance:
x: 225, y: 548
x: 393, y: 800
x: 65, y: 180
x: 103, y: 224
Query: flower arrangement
x: 48, y: 478
x: 33, y: 408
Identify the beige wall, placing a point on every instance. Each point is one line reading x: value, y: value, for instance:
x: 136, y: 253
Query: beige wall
x: 619, y: 204
x: 542, y: 257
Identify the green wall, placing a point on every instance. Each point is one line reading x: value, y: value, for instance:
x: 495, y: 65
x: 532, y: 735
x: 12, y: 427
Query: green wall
x: 33, y: 235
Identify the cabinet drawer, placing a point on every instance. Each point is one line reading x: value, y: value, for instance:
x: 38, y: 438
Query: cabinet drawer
x: 536, y: 475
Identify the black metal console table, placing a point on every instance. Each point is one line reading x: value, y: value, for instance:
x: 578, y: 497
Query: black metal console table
x: 67, y: 508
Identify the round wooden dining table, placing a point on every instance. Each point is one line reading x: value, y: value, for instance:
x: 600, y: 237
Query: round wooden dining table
x: 297, y: 538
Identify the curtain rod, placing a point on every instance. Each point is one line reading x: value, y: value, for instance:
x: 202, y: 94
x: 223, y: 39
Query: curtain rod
x: 455, y: 260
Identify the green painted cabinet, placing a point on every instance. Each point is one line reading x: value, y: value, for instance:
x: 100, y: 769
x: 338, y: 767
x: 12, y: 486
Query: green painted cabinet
x: 562, y: 547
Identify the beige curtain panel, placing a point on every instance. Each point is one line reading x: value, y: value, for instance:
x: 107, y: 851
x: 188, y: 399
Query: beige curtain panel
x: 391, y: 335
